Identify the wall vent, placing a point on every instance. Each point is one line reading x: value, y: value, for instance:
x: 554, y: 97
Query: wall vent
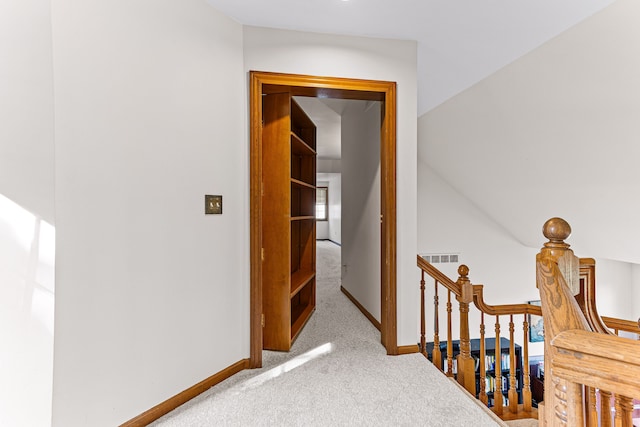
x: 441, y: 258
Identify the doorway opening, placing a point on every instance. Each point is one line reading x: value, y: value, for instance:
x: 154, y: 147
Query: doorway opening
x: 263, y: 83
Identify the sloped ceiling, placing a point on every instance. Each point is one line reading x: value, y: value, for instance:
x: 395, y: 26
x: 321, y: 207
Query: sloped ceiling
x: 555, y: 133
x: 530, y: 109
x: 460, y: 42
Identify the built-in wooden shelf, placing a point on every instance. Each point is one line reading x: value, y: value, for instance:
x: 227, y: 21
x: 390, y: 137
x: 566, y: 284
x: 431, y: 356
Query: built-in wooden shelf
x: 299, y: 147
x: 302, y: 184
x: 288, y: 220
x: 300, y: 316
x: 299, y: 279
x: 302, y: 218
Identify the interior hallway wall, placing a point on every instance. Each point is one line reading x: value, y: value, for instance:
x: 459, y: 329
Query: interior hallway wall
x: 335, y: 207
x: 152, y: 295
x: 492, y: 143
x: 450, y: 223
x: 364, y: 58
x: 635, y: 291
x: 361, y: 264
x: 563, y: 116
x: 27, y: 233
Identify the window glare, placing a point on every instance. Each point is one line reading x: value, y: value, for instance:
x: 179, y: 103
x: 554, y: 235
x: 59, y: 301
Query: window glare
x: 322, y: 206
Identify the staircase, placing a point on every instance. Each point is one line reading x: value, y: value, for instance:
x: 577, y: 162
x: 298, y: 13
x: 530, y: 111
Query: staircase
x: 579, y: 344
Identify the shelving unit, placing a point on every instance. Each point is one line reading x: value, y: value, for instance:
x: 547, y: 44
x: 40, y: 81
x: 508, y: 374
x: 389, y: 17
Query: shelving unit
x: 289, y: 227
x: 490, y: 380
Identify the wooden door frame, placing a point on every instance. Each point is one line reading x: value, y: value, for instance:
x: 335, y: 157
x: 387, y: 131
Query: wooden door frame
x: 327, y: 87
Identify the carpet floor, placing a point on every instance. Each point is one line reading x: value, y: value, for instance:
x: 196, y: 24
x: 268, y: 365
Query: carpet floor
x: 337, y: 374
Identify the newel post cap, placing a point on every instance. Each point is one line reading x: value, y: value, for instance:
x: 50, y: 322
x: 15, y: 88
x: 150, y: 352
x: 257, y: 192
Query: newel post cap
x: 466, y: 288
x: 463, y: 271
x: 557, y: 230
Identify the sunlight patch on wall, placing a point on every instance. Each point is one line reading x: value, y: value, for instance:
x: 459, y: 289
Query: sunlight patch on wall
x: 27, y: 297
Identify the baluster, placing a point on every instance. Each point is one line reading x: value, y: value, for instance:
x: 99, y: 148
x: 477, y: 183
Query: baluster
x: 526, y: 387
x: 513, y: 394
x: 617, y: 415
x: 466, y: 364
x: 423, y: 327
x: 627, y: 411
x: 624, y: 409
x: 483, y: 369
x: 449, y: 337
x: 567, y: 407
x: 436, y: 355
x: 592, y: 412
x: 560, y: 410
x: 497, y: 392
x: 605, y: 408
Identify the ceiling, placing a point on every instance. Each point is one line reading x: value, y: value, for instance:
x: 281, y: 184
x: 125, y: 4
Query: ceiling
x: 460, y: 42
x: 326, y: 113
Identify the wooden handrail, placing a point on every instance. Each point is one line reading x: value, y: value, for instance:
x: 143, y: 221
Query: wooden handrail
x: 587, y: 301
x: 572, y: 324
x: 607, y: 362
x: 478, y: 294
x: 621, y: 324
x: 439, y: 276
x: 502, y: 309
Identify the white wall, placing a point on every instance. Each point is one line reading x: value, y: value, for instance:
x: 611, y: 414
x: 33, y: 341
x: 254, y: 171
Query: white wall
x: 506, y: 141
x: 376, y: 59
x: 614, y: 289
x: 635, y: 292
x: 27, y: 232
x: 150, y: 116
x: 361, y: 204
x: 449, y: 223
x: 555, y: 133
x: 335, y: 207
x: 328, y: 165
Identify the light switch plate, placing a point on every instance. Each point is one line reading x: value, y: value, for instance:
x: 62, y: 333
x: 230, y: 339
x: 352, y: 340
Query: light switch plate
x: 212, y: 205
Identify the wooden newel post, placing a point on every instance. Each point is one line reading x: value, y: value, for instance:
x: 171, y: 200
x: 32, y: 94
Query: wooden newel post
x: 562, y: 404
x: 466, y: 363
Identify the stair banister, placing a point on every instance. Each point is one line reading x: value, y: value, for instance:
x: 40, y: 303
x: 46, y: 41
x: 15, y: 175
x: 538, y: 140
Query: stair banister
x: 580, y: 356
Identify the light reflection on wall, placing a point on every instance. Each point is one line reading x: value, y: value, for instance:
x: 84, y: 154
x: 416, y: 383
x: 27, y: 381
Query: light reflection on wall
x: 27, y: 289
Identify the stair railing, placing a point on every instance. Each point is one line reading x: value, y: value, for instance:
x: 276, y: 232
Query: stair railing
x: 465, y: 368
x: 583, y: 359
x: 489, y: 389
x: 587, y: 301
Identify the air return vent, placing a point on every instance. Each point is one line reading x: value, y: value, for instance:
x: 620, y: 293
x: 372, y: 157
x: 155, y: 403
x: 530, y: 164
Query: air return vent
x: 441, y: 258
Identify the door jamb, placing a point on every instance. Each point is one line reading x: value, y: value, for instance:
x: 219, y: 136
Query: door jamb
x: 327, y: 87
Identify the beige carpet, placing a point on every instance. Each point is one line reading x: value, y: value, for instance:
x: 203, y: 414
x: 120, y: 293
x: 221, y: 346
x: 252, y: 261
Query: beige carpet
x: 337, y: 374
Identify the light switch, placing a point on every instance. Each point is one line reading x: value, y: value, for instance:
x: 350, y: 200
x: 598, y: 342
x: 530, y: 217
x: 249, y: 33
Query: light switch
x: 212, y: 204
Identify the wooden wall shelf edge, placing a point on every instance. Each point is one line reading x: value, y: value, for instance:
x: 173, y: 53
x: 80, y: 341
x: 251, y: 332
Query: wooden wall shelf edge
x: 302, y: 184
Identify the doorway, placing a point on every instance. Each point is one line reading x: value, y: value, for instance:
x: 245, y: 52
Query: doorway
x: 340, y: 88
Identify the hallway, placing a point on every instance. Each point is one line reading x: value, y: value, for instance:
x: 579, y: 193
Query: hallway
x: 336, y: 374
